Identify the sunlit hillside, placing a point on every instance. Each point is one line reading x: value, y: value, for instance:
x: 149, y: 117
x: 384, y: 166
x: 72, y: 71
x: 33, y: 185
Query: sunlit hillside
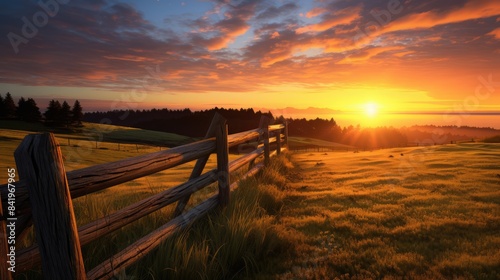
x: 418, y: 213
x: 429, y: 212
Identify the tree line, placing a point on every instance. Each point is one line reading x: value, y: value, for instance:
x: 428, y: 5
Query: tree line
x: 195, y: 124
x: 184, y: 122
x: 364, y: 138
x: 56, y: 114
x: 133, y: 117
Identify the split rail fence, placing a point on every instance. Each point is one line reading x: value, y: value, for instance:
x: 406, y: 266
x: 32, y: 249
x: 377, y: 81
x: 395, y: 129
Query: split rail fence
x: 45, y: 191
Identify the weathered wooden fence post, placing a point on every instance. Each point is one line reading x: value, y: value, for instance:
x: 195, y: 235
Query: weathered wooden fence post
x: 266, y: 141
x: 286, y: 135
x: 201, y: 162
x: 22, y: 224
x: 39, y: 161
x: 222, y: 163
x: 264, y: 122
x: 4, y: 247
x: 278, y: 142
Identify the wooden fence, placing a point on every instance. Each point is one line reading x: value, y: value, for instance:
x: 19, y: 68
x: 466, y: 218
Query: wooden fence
x: 45, y: 191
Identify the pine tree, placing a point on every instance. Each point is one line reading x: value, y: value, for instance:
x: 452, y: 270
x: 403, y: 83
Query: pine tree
x: 2, y: 107
x: 10, y: 106
x: 77, y: 114
x: 27, y: 110
x: 53, y: 113
x: 21, y: 109
x: 32, y: 111
x: 65, y: 114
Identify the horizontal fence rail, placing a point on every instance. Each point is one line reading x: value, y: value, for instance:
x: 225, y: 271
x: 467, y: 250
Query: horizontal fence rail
x: 88, y: 180
x: 98, y: 177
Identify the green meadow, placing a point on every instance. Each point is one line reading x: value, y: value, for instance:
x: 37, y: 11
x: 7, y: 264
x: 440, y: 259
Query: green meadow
x: 407, y: 213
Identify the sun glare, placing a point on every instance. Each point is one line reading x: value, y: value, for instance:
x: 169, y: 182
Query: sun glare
x: 371, y: 109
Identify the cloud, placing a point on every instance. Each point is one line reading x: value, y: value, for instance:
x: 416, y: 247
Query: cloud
x: 352, y: 25
x: 473, y: 9
x: 106, y: 44
x: 340, y: 17
x: 276, y: 12
x: 404, y: 53
x: 336, y: 31
x: 367, y: 53
x: 234, y: 24
x: 88, y: 44
x: 316, y: 12
x: 495, y: 33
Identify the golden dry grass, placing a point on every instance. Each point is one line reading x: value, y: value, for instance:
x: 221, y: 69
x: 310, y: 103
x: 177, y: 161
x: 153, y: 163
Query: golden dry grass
x: 226, y: 244
x: 425, y: 213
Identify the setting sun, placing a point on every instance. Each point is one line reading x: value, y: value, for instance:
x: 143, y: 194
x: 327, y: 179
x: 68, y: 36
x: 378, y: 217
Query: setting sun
x: 371, y: 109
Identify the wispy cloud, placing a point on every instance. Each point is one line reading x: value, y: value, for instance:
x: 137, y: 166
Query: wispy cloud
x: 331, y: 20
x: 495, y: 33
x: 473, y: 9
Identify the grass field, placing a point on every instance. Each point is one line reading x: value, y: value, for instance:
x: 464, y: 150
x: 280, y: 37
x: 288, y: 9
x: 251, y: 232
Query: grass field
x: 234, y: 242
x: 301, y: 142
x: 424, y: 213
x: 414, y: 213
x: 89, y: 145
x: 80, y: 151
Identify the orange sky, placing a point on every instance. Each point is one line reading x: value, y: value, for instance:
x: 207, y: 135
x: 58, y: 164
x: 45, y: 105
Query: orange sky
x: 399, y: 56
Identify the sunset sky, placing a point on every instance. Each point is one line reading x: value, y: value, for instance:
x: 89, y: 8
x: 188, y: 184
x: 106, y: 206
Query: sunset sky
x: 371, y: 57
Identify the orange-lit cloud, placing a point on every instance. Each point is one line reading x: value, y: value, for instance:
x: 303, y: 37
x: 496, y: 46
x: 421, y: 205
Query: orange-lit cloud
x: 240, y: 50
x: 364, y: 55
x: 495, y: 33
x: 402, y: 54
x: 234, y: 24
x: 473, y: 9
x: 344, y: 16
x: 226, y: 38
x: 98, y: 76
x: 316, y: 12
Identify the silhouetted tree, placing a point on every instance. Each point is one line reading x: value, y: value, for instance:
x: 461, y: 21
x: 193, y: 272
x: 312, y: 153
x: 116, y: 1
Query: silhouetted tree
x: 53, y: 113
x: 21, y: 108
x: 9, y: 106
x: 2, y: 107
x: 32, y: 111
x: 77, y: 114
x: 65, y: 114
